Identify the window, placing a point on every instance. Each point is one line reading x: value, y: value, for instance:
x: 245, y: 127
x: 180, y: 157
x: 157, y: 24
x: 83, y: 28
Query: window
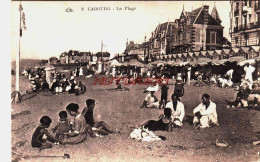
x: 213, y: 37
x: 245, y: 2
x: 246, y: 40
x: 249, y: 18
x: 236, y: 40
x: 236, y: 21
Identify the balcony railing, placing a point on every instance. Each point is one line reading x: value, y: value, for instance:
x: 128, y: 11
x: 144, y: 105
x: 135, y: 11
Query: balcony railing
x: 246, y: 26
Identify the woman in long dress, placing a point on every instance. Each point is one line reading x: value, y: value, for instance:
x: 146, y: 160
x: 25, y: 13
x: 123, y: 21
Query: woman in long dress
x: 81, y: 71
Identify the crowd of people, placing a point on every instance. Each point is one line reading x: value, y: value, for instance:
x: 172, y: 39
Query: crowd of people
x: 204, y: 114
x: 70, y: 131
x: 55, y: 82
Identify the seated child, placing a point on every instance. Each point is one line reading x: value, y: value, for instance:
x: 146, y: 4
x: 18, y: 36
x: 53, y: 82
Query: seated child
x: 58, y: 89
x: 88, y: 113
x: 241, y: 98
x: 163, y: 123
x: 41, y: 135
x: 63, y: 126
x: 255, y: 95
x: 80, y: 89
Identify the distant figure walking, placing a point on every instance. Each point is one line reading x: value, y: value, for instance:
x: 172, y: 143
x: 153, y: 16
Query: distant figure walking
x: 80, y: 71
x: 249, y: 71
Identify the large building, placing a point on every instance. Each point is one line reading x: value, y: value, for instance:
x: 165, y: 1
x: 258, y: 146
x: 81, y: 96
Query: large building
x: 137, y: 51
x: 244, y: 22
x: 197, y: 30
x: 193, y: 31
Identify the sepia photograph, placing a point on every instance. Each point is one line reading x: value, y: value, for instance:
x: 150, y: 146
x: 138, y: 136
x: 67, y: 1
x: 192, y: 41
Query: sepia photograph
x: 135, y: 81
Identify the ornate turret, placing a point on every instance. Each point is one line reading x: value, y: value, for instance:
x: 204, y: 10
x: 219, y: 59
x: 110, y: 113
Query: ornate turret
x: 215, y: 15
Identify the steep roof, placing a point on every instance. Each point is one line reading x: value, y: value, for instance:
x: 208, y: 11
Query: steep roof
x: 215, y: 14
x: 256, y: 48
x: 196, y: 17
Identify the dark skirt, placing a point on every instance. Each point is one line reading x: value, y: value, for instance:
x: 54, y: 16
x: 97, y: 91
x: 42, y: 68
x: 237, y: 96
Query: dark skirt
x: 154, y: 125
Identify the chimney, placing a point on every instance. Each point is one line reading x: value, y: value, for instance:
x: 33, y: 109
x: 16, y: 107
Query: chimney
x: 205, y: 13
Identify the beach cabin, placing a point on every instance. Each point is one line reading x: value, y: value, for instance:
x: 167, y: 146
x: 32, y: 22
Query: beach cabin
x: 254, y: 52
x: 196, y: 56
x: 225, y: 53
x: 233, y: 52
x: 210, y: 54
x: 184, y: 57
x: 243, y: 51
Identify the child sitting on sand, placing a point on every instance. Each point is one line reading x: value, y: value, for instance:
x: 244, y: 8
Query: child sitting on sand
x: 88, y: 113
x: 63, y: 126
x: 41, y: 135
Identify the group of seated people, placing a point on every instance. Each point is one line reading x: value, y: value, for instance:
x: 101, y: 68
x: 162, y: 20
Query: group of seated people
x: 246, y: 93
x: 58, y: 85
x: 205, y: 114
x: 67, y: 85
x: 69, y: 131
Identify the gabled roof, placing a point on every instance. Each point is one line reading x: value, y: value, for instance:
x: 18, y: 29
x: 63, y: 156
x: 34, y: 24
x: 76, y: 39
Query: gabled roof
x: 226, y: 51
x: 191, y: 53
x: 179, y: 55
x: 245, y: 49
x: 203, y: 53
x: 200, y: 18
x: 215, y: 14
x: 196, y: 53
x: 235, y: 49
x: 210, y: 53
x: 218, y: 52
x: 160, y: 28
x: 185, y: 54
x: 256, y: 48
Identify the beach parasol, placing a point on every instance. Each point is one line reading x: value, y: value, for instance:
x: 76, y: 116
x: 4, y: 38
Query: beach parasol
x: 136, y: 63
x: 250, y: 61
x: 114, y: 63
x: 219, y: 62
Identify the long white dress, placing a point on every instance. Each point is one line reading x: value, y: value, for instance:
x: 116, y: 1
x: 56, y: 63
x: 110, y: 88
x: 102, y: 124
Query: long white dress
x: 80, y: 71
x: 249, y: 71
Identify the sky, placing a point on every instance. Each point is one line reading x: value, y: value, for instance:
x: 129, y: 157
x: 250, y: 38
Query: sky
x: 51, y: 30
